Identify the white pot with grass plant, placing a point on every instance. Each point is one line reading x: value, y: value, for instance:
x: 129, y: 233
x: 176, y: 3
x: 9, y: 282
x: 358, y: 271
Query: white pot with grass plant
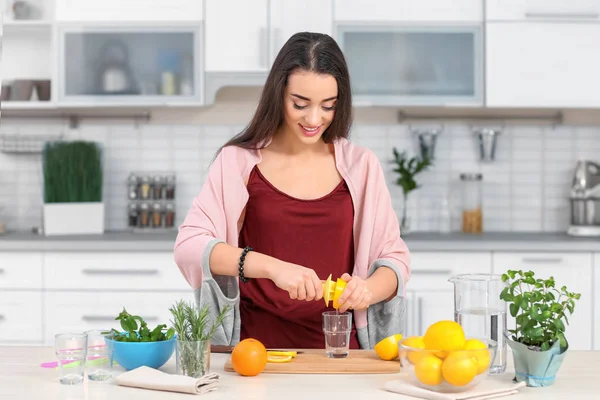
x: 73, y: 203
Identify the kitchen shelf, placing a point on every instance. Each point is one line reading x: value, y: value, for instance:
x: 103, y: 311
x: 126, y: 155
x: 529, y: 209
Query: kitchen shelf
x: 28, y: 23
x: 27, y: 105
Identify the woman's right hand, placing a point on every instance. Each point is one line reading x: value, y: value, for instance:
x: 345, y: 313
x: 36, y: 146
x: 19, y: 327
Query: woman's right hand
x: 300, y: 282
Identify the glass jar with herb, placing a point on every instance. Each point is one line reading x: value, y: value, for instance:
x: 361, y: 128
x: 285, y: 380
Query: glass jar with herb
x: 132, y: 185
x: 157, y: 187
x: 133, y: 215
x: 170, y: 187
x: 145, y: 187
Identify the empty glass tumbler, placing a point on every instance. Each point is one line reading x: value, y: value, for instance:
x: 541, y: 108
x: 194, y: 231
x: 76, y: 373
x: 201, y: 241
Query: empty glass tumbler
x: 481, y: 313
x: 70, y: 350
x: 99, y: 362
x: 337, y: 328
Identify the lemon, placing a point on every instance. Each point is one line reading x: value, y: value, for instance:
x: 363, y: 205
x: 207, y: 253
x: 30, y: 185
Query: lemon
x: 428, y: 370
x: 444, y: 336
x: 278, y: 359
x: 480, y: 352
x: 387, y: 349
x: 459, y: 368
x: 416, y: 342
x: 282, y: 353
x: 333, y: 291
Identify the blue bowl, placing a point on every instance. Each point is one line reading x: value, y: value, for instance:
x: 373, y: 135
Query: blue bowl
x: 131, y: 355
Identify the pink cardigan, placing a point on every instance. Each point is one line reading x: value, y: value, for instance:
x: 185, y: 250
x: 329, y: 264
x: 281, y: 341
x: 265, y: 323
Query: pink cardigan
x: 218, y: 210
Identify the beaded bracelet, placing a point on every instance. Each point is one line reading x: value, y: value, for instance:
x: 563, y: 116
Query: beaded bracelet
x: 241, y: 264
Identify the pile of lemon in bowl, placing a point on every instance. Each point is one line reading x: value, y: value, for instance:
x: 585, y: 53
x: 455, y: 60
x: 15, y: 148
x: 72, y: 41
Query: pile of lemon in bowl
x: 444, y: 360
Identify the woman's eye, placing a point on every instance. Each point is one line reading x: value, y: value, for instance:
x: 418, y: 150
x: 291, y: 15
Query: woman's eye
x: 329, y: 108
x: 297, y: 107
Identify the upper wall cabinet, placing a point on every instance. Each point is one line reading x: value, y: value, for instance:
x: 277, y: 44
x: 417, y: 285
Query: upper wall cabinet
x: 129, y: 10
x: 138, y: 65
x: 549, y: 10
x: 409, y: 10
x: 406, y: 64
x: 542, y: 64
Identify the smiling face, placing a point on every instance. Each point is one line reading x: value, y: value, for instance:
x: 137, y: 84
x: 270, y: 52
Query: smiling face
x: 309, y: 106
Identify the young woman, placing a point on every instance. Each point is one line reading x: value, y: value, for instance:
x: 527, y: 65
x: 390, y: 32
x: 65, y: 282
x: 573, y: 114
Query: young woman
x: 288, y: 202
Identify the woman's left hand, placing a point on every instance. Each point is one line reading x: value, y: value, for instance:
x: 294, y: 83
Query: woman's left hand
x: 356, y: 294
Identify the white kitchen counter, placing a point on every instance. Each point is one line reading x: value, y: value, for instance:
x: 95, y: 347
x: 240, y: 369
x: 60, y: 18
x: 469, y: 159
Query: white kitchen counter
x: 21, y: 377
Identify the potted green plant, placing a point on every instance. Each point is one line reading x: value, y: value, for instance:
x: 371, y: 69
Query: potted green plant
x: 191, y: 325
x: 407, y: 169
x: 72, y: 188
x: 538, y: 342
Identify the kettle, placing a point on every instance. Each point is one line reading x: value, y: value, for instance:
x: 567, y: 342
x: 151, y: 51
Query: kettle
x: 114, y: 74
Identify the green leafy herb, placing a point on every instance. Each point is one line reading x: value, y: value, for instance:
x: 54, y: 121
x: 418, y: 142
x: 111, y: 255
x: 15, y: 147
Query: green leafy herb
x: 408, y: 168
x: 135, y: 329
x: 539, y: 308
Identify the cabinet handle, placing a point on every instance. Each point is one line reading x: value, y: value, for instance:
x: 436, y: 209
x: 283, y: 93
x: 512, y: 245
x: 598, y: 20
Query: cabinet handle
x: 548, y: 260
x: 97, y: 318
x: 96, y: 271
x: 1, y: 271
x: 2, y: 317
x: 591, y: 15
x: 420, y: 316
x: 431, y: 272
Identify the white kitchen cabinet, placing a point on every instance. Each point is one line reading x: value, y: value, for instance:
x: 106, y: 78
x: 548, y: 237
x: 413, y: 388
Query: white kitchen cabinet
x: 112, y: 271
x: 115, y: 11
x: 409, y: 10
x: 81, y: 311
x: 427, y: 307
x: 412, y: 64
x: 20, y: 271
x: 133, y: 65
x: 551, y: 10
x: 573, y: 270
x: 237, y: 37
x: 21, y: 317
x: 542, y: 64
x: 288, y: 17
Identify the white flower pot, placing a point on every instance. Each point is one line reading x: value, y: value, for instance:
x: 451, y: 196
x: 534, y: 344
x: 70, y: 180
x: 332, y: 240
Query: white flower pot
x: 73, y: 218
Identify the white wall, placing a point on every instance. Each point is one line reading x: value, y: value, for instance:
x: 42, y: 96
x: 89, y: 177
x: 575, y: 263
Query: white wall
x: 525, y: 189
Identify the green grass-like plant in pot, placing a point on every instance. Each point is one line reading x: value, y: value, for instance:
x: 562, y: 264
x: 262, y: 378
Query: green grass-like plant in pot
x: 194, y: 334
x: 540, y: 309
x: 73, y: 180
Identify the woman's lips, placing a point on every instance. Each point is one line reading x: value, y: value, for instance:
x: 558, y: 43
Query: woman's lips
x: 310, y: 131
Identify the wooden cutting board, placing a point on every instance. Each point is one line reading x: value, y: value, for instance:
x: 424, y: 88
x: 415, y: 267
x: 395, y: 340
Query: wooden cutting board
x: 314, y: 361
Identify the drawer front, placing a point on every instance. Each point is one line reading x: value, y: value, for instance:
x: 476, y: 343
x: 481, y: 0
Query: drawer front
x: 113, y: 271
x: 543, y: 10
x: 431, y: 270
x: 20, y: 270
x: 78, y: 311
x: 21, y: 317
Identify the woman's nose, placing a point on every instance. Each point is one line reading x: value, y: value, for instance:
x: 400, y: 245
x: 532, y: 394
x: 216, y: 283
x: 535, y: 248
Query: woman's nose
x: 313, y: 118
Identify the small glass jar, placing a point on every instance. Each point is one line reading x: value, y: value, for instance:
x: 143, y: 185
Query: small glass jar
x: 169, y: 215
x: 170, y: 187
x: 145, y: 187
x: 472, y: 215
x: 133, y: 217
x: 132, y: 185
x: 156, y: 215
x: 144, y: 215
x: 157, y: 188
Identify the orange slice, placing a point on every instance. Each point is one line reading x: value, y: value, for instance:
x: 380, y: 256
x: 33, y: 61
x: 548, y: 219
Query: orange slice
x: 279, y: 359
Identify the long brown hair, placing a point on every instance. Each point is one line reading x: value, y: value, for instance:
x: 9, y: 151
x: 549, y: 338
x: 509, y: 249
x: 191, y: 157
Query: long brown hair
x: 311, y: 52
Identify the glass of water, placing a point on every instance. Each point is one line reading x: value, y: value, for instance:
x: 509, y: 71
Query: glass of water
x: 70, y: 350
x: 99, y: 360
x: 337, y: 327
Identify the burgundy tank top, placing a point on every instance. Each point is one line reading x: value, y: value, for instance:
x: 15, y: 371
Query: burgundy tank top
x: 316, y: 234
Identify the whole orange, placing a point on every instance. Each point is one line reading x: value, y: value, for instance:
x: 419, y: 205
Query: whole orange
x: 249, y: 357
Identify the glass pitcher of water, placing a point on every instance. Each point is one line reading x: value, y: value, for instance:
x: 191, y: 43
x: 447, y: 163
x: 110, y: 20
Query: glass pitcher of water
x: 481, y: 313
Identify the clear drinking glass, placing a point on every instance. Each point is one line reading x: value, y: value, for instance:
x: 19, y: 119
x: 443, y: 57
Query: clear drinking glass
x: 99, y: 361
x: 337, y: 327
x: 71, y: 350
x: 193, y: 358
x: 481, y: 313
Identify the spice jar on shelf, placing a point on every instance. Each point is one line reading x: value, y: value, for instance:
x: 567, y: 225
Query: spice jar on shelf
x: 170, y: 187
x: 145, y: 187
x: 133, y: 215
x: 156, y: 215
x: 472, y: 216
x: 169, y: 215
x: 157, y: 187
x: 132, y: 187
x: 144, y: 215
